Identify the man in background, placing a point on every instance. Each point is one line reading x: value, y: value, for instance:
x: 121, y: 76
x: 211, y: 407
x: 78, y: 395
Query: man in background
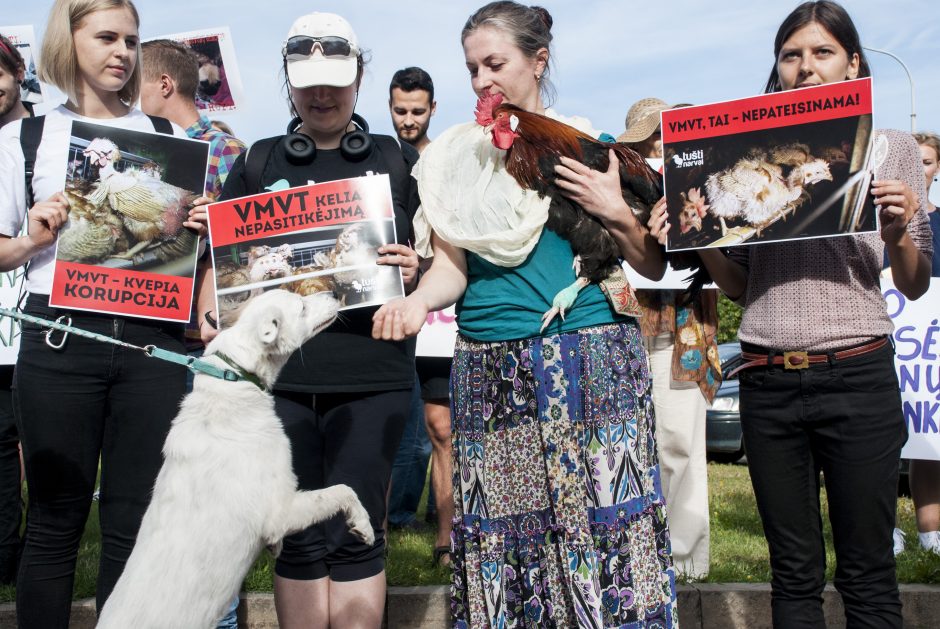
x: 168, y: 89
x: 12, y: 72
x: 411, y: 104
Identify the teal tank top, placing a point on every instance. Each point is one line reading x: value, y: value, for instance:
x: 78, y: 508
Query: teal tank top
x: 507, y: 303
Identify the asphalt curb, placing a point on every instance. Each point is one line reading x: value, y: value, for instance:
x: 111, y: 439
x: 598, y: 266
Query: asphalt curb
x: 701, y: 606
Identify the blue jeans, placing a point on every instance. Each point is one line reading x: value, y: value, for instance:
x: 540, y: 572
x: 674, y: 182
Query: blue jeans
x: 230, y: 620
x: 410, y: 469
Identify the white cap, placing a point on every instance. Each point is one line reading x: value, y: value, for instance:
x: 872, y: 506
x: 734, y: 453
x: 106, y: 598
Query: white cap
x: 317, y: 69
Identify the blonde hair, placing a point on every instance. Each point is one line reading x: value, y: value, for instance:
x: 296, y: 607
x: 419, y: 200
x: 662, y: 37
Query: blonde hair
x: 929, y: 139
x: 58, y: 63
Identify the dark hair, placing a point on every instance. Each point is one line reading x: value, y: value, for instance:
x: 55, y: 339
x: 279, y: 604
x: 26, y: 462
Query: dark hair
x: 832, y: 17
x: 530, y: 28
x: 10, y: 57
x: 411, y: 79
x: 179, y: 62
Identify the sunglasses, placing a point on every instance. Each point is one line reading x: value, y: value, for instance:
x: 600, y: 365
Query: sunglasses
x: 301, y: 46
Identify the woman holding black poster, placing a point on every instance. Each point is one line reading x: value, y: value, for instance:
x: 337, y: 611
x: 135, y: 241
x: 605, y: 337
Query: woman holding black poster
x: 343, y: 397
x: 818, y: 385
x: 79, y: 401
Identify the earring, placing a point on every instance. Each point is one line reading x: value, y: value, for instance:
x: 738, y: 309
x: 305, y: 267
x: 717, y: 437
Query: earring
x: 538, y: 78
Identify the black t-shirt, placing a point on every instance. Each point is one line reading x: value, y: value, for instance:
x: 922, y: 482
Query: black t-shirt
x: 344, y: 358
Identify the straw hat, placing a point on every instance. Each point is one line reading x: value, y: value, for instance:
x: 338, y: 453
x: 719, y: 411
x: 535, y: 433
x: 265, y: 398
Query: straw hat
x: 642, y: 119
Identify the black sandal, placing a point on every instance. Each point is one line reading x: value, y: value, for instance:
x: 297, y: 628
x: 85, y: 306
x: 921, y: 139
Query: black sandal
x: 440, y: 552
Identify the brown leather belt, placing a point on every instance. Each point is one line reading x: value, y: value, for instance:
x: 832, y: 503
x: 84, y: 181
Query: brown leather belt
x: 802, y: 360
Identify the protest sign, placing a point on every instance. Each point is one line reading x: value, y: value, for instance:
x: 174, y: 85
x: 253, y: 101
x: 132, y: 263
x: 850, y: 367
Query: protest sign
x: 124, y: 249
x: 11, y: 285
x: 24, y: 39
x: 322, y: 237
x: 783, y: 166
x: 917, y: 360
x: 438, y: 335
x: 220, y: 84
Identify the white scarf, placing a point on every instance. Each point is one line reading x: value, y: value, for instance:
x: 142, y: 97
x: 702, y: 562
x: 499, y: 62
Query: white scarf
x: 469, y: 200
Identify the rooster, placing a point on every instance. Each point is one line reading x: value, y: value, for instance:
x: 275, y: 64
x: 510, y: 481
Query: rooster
x: 533, y: 145
x: 152, y: 210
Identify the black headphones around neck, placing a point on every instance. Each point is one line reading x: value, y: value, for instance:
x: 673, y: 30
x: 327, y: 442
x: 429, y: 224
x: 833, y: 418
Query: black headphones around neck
x: 355, y: 145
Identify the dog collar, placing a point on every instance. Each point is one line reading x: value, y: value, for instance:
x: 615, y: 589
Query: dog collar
x: 240, y: 372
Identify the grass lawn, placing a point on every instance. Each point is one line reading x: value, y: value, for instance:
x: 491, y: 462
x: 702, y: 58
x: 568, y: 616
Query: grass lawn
x: 738, y: 550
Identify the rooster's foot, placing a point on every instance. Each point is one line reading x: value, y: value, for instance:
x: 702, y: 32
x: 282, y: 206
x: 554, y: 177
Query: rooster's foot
x: 563, y: 302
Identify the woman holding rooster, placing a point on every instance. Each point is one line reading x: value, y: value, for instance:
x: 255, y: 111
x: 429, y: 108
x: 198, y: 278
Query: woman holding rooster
x: 560, y: 520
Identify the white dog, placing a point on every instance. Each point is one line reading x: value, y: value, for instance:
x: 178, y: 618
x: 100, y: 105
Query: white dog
x: 226, y: 488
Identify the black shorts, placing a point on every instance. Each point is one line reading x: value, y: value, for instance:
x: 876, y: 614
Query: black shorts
x: 348, y: 438
x: 434, y: 375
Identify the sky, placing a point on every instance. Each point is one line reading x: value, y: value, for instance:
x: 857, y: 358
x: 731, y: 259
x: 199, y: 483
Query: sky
x: 607, y: 54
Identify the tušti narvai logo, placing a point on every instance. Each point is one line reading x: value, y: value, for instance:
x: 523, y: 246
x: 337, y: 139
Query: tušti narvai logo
x: 692, y: 158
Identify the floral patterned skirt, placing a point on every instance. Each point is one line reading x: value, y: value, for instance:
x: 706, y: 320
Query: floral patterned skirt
x: 560, y: 518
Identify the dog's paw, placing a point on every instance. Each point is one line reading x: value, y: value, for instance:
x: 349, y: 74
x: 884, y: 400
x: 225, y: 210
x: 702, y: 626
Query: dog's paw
x: 358, y: 520
x: 361, y: 528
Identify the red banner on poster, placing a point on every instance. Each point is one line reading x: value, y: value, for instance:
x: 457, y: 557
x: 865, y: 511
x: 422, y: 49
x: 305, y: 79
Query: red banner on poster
x: 768, y: 111
x: 120, y: 291
x: 308, y: 207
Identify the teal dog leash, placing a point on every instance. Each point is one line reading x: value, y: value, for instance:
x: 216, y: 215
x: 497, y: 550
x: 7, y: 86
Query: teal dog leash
x: 195, y: 365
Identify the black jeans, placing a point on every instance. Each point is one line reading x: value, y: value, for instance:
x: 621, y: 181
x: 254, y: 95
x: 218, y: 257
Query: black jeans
x: 842, y: 418
x: 10, y: 492
x: 348, y: 438
x: 87, y: 402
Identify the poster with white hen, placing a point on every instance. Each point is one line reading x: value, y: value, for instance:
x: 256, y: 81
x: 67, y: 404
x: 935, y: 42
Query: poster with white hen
x: 124, y: 249
x: 782, y: 166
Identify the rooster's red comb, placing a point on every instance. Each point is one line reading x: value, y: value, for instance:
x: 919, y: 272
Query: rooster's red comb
x: 485, y: 105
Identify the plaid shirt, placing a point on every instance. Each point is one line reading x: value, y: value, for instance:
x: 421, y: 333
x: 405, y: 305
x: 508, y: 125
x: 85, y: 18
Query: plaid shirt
x: 224, y: 149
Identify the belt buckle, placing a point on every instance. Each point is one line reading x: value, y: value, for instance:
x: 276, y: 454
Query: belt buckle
x: 795, y: 360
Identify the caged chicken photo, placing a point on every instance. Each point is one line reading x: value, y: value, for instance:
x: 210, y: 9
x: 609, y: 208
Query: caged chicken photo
x: 533, y: 145
x: 129, y: 195
x: 792, y: 182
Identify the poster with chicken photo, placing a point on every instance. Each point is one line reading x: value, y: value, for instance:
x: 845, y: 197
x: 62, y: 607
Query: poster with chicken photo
x: 220, y: 84
x: 24, y: 39
x: 124, y: 249
x: 784, y: 166
x: 323, y: 237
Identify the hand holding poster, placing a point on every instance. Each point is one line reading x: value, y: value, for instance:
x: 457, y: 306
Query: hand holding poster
x: 125, y: 249
x: 220, y: 83
x: 917, y: 360
x: 783, y: 166
x: 323, y: 237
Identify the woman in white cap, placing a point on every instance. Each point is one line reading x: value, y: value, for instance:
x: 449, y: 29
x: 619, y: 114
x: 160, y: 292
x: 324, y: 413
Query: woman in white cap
x: 343, y: 397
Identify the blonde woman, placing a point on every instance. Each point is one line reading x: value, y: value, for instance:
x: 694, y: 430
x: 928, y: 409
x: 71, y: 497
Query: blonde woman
x: 86, y: 401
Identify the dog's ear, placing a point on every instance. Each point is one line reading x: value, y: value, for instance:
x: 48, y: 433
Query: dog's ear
x: 270, y: 327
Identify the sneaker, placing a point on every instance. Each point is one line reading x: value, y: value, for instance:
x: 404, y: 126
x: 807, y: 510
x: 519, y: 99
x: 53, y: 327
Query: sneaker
x: 898, y: 542
x: 930, y: 541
